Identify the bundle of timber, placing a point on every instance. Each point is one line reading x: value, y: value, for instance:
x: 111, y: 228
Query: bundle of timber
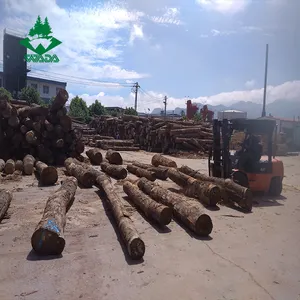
x: 156, y: 134
x: 44, y: 132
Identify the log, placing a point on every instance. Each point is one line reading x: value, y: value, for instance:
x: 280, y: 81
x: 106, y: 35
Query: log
x: 13, y: 121
x: 65, y: 123
x: 159, y: 172
x: 188, y: 211
x: 159, y: 160
x: 19, y: 165
x: 79, y: 148
x: 206, y: 192
x: 28, y: 123
x: 2, y: 165
x: 5, y: 200
x: 84, y: 176
x: 8, y: 111
x: 139, y: 172
x: 124, y: 143
x: 48, y: 126
x: 95, y: 156
x: 153, y: 210
x: 32, y: 111
x: 48, y: 237
x: 47, y: 174
x: 31, y: 137
x: 118, y: 172
x: 60, y: 100
x: 28, y: 163
x: 59, y: 143
x: 134, y: 244
x: 114, y: 157
x: 121, y: 148
x: 9, y: 167
x: 23, y: 129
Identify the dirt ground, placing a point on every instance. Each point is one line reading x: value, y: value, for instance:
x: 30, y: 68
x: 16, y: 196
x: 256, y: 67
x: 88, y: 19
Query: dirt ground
x: 248, y: 256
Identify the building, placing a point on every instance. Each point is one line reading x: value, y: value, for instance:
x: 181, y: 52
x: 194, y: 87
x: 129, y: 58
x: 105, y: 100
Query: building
x: 231, y: 114
x: 46, y: 88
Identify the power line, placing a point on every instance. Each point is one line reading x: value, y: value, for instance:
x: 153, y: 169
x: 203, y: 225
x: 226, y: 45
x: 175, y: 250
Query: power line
x: 146, y: 93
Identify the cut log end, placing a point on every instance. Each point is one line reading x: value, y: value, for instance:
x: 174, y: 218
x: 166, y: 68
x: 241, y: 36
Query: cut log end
x: 214, y: 194
x: 165, y: 216
x: 49, y: 176
x: 247, y: 201
x: 136, y: 248
x: 47, y: 242
x: 203, y: 225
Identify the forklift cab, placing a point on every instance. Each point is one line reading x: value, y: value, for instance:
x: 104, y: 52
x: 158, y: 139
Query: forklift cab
x: 247, y: 167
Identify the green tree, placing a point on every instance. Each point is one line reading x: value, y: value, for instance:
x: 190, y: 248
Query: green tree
x: 130, y: 111
x: 5, y: 93
x: 31, y: 32
x: 79, y: 109
x: 46, y: 28
x: 38, y: 26
x: 31, y: 95
x: 97, y: 109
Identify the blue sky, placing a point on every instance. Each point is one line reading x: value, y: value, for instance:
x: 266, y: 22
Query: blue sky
x: 210, y: 50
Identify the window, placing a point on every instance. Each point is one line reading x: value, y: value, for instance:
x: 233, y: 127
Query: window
x: 57, y: 90
x: 0, y: 82
x: 34, y: 85
x: 45, y: 89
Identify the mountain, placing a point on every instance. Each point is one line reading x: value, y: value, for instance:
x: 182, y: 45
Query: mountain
x: 279, y: 108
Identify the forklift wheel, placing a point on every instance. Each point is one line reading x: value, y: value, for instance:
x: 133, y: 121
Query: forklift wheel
x: 275, y: 186
x: 240, y: 178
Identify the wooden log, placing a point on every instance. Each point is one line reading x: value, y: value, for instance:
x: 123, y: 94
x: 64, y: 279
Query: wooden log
x: 123, y: 143
x: 48, y: 126
x: 159, y: 172
x: 48, y: 237
x: 139, y: 172
x: 62, y: 112
x: 47, y: 174
x: 66, y: 123
x: 84, y: 176
x: 28, y: 122
x: 28, y: 163
x: 13, y: 121
x: 134, y: 244
x: 2, y: 165
x: 23, y: 129
x: 114, y: 157
x: 8, y: 111
x: 120, y: 148
x: 188, y: 211
x: 31, y: 137
x: 206, y: 192
x: 79, y: 148
x: 95, y: 156
x: 60, y: 100
x: 159, y: 160
x: 118, y: 172
x: 19, y: 165
x: 37, y: 126
x: 32, y: 111
x: 153, y: 210
x: 59, y: 143
x: 5, y: 200
x: 9, y: 167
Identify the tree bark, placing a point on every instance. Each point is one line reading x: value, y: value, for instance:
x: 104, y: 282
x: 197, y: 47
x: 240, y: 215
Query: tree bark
x: 32, y: 111
x: 19, y: 165
x: 95, y: 156
x: 79, y: 148
x: 66, y: 123
x: 60, y: 100
x: 159, y: 172
x: 159, y: 160
x: 5, y: 200
x: 28, y: 163
x: 2, y: 165
x: 114, y: 157
x: 49, y: 126
x: 48, y: 238
x: 153, y: 210
x: 47, y: 174
x: 14, y: 121
x: 206, y: 192
x: 139, y: 172
x: 9, y: 167
x: 84, y: 176
x: 118, y: 172
x: 188, y: 211
x: 28, y: 123
x: 31, y: 137
x: 134, y: 244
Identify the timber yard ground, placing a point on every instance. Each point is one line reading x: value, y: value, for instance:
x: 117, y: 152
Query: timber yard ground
x: 249, y: 256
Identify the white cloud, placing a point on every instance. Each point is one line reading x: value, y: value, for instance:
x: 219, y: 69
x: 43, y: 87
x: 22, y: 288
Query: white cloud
x: 136, y: 33
x: 170, y: 16
x: 250, y: 84
x: 224, y: 6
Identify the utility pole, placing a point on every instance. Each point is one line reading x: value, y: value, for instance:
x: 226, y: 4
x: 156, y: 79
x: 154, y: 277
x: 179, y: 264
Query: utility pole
x: 135, y: 89
x: 165, y: 103
x: 263, y: 114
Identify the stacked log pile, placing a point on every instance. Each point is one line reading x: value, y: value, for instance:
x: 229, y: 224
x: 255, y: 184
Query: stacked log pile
x: 156, y: 134
x: 44, y: 132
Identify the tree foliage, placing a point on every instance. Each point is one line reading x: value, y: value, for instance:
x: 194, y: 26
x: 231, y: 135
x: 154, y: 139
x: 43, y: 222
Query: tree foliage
x: 31, y: 95
x: 130, y: 111
x: 40, y: 28
x: 4, y: 92
x: 79, y: 109
x: 97, y: 109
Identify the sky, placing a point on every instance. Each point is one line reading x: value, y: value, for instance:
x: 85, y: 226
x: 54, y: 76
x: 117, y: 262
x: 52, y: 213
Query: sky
x: 210, y: 51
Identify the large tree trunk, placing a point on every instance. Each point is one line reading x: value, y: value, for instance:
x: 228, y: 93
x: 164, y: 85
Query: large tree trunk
x: 159, y: 160
x: 28, y: 163
x: 114, y: 157
x: 2, y: 165
x: 19, y: 165
x: 60, y: 100
x: 206, y: 192
x: 160, y: 213
x: 48, y: 238
x: 32, y: 111
x: 159, y: 172
x: 95, y: 156
x: 47, y: 174
x: 139, y: 172
x: 84, y: 176
x: 188, y: 211
x: 134, y: 244
x: 9, y: 167
x: 5, y: 200
x: 118, y: 172
x: 66, y: 123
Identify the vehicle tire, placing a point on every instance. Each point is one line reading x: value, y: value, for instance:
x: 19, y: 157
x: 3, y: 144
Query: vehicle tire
x: 275, y: 186
x: 240, y: 178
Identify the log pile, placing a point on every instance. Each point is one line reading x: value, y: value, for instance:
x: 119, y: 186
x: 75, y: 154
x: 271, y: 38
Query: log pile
x: 44, y: 132
x: 156, y: 134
